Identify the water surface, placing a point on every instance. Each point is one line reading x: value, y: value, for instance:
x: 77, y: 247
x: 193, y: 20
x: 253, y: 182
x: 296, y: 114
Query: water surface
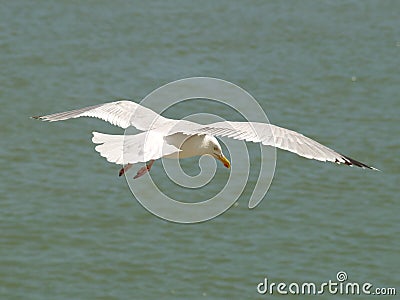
x: 70, y: 228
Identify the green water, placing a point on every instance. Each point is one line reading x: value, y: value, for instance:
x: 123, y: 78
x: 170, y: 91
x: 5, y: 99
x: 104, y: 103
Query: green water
x: 71, y: 229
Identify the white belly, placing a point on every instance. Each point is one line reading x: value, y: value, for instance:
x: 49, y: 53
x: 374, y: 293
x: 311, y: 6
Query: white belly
x: 190, y: 145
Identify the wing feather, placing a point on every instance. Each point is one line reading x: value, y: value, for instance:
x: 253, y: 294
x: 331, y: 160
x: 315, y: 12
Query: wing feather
x: 271, y: 135
x: 121, y: 113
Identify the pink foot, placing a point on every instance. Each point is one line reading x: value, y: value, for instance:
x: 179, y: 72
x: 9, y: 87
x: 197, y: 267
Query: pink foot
x: 124, y: 169
x: 144, y: 169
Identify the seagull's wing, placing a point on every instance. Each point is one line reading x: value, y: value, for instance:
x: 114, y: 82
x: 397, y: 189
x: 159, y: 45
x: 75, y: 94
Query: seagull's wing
x: 141, y: 147
x: 272, y: 135
x: 121, y: 113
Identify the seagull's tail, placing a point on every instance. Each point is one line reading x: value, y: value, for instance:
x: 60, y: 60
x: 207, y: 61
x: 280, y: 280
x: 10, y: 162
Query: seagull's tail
x: 124, y: 149
x: 111, y: 146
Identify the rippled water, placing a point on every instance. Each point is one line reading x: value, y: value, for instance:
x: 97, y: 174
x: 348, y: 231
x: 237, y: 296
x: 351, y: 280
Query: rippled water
x: 70, y: 228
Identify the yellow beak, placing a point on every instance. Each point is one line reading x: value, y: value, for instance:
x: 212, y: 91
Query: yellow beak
x: 224, y: 160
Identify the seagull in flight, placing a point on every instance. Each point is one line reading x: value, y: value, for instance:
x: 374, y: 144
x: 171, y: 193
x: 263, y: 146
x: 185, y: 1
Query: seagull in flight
x: 176, y: 139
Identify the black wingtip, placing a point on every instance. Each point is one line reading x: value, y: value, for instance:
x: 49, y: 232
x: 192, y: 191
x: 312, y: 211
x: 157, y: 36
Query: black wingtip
x: 36, y: 117
x: 352, y: 162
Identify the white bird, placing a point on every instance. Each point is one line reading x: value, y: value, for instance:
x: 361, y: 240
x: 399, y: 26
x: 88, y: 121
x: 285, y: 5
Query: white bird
x: 169, y: 138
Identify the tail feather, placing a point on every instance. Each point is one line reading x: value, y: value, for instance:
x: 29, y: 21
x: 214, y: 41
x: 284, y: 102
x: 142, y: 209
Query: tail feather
x: 142, y: 147
x: 110, y: 146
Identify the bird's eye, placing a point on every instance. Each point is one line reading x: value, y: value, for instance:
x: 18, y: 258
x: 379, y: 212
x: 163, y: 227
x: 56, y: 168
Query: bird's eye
x: 215, y: 148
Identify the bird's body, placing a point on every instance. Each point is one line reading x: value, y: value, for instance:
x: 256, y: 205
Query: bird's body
x: 168, y: 138
x: 189, y: 146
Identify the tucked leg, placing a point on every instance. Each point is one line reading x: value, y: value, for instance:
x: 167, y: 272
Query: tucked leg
x: 124, y: 169
x: 144, y: 169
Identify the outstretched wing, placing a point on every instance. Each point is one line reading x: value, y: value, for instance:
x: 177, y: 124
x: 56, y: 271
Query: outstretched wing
x: 274, y: 136
x: 122, y: 113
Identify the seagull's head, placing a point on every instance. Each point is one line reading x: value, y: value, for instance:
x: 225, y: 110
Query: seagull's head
x: 214, y: 149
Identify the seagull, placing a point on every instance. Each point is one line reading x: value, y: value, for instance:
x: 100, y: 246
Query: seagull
x: 176, y: 139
